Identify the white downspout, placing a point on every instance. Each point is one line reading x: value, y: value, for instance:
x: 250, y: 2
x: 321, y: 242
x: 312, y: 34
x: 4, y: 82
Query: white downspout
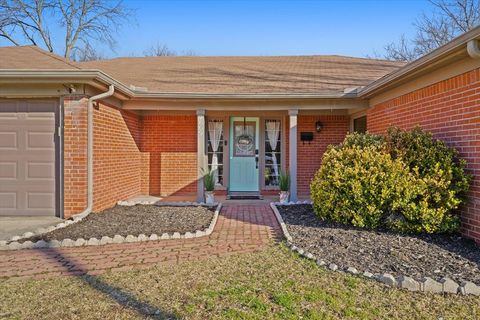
x: 473, y: 49
x: 89, y: 208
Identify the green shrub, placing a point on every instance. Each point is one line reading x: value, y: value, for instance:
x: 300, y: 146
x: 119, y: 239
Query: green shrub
x: 439, y: 181
x: 364, y: 140
x: 357, y: 185
x: 406, y: 181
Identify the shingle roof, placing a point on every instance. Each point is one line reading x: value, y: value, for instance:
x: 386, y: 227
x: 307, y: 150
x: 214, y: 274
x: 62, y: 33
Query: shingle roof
x: 220, y: 75
x: 264, y: 74
x: 31, y: 58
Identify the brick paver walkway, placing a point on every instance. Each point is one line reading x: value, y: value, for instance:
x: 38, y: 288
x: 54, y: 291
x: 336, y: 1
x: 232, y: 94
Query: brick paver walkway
x: 239, y: 228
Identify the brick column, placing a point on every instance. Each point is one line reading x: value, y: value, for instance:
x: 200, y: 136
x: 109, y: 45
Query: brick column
x: 201, y: 163
x: 293, y: 153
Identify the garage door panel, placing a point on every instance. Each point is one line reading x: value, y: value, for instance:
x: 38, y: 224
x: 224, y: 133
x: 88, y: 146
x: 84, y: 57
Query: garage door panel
x: 8, y: 201
x: 8, y: 140
x: 8, y: 170
x: 40, y: 171
x: 7, y: 115
x: 37, y: 106
x: 40, y: 140
x: 40, y: 200
x: 27, y: 158
x: 39, y: 116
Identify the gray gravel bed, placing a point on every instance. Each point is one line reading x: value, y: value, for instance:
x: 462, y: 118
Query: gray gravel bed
x: 379, y: 251
x: 134, y: 220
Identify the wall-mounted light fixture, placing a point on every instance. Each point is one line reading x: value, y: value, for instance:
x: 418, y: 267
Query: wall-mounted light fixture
x: 318, y: 126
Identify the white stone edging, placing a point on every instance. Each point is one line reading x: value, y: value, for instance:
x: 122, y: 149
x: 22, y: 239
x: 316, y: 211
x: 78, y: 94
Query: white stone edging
x: 13, y: 244
x: 281, y: 222
x: 426, y: 284
x: 74, y: 219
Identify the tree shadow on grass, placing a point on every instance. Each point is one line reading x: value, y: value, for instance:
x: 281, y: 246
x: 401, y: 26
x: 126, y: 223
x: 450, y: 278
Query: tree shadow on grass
x: 117, y: 294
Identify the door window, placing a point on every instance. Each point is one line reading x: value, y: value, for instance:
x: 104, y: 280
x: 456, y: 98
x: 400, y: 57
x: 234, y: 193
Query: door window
x: 244, y: 139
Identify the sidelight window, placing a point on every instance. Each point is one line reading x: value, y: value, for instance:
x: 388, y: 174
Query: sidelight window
x: 273, y: 152
x: 215, y: 149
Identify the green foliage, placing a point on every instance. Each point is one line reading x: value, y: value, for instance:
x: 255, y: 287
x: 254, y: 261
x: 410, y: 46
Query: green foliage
x: 405, y: 181
x: 364, y: 140
x: 438, y: 186
x: 357, y: 185
x: 284, y: 180
x: 209, y: 180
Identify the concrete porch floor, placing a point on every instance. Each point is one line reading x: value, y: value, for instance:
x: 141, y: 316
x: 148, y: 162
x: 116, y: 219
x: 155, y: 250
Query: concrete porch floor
x: 16, y: 226
x: 146, y: 199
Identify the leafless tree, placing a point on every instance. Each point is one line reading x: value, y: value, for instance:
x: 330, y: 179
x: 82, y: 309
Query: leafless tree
x: 189, y: 52
x: 162, y: 50
x: 159, y: 50
x: 30, y: 21
x: 449, y: 19
x: 87, y: 53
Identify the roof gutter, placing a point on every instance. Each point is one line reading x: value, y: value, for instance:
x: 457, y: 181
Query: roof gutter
x: 240, y: 96
x: 100, y: 79
x: 53, y: 76
x: 107, y: 94
x: 473, y: 49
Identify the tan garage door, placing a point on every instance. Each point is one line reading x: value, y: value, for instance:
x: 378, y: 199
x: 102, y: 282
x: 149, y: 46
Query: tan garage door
x: 27, y: 157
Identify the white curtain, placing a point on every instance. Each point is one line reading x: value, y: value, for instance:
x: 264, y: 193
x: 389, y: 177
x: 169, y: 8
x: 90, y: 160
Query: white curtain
x: 273, y: 131
x: 215, y: 129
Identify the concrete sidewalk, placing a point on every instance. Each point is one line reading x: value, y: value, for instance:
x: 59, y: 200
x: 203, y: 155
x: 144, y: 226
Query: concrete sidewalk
x: 15, y: 226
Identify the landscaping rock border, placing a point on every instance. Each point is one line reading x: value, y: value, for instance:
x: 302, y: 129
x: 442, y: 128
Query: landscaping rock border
x: 13, y: 243
x: 426, y: 284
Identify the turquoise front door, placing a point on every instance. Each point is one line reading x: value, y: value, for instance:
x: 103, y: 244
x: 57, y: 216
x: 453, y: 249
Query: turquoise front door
x: 244, y: 142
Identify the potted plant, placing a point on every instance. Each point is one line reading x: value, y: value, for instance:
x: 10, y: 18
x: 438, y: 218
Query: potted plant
x: 284, y: 184
x: 209, y: 182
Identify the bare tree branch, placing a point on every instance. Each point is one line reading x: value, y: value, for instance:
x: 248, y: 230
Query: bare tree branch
x: 449, y: 19
x: 87, y: 53
x: 159, y: 50
x: 400, y: 51
x: 82, y: 21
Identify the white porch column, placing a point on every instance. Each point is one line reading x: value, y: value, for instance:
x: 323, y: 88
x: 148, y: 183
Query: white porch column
x: 201, y: 158
x: 293, y: 153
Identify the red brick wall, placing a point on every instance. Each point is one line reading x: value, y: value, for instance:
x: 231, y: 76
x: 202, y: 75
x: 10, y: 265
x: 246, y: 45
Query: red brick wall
x: 310, y: 154
x: 450, y: 109
x: 75, y: 155
x: 117, y: 158
x: 118, y: 163
x: 171, y: 141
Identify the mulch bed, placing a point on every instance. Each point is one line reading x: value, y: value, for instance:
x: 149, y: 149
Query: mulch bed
x: 134, y: 220
x: 381, y: 251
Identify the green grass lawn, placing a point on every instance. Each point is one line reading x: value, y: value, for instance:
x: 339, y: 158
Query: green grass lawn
x: 272, y: 284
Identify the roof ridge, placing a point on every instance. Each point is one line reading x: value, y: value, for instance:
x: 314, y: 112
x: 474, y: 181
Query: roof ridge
x: 398, y: 63
x: 54, y: 56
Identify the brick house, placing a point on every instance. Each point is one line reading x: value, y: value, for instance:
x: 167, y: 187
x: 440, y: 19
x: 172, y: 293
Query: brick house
x: 152, y: 125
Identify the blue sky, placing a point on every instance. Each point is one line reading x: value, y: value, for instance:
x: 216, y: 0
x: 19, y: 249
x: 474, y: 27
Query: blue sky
x: 354, y: 28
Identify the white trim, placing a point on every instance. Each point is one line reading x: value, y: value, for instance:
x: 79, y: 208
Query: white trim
x: 200, y: 153
x: 293, y: 119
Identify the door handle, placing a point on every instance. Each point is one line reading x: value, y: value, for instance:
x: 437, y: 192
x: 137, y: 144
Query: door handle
x: 256, y: 162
